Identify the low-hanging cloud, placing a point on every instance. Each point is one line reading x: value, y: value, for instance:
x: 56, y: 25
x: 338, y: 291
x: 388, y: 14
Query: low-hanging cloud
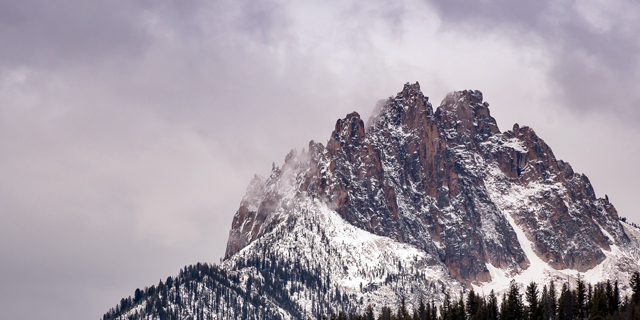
x: 129, y: 130
x: 593, y: 45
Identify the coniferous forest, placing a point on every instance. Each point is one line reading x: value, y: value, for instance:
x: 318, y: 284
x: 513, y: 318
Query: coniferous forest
x: 602, y: 301
x: 205, y: 292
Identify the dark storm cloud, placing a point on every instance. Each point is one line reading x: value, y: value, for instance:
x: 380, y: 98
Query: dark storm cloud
x: 593, y: 45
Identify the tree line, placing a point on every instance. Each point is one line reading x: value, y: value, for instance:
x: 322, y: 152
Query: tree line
x: 599, y: 302
x: 208, y: 292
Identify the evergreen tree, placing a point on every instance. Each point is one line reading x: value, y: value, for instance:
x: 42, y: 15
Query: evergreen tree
x: 512, y: 307
x: 580, y: 300
x: 459, y: 310
x: 422, y: 311
x: 368, y: 313
x: 202, y: 287
x: 137, y: 296
x: 503, y: 306
x: 547, y: 306
x: 565, y: 304
x: 434, y: 311
x: 608, y: 292
x: 614, y: 302
x: 445, y: 308
x: 385, y: 314
x: 598, y: 304
x: 474, y: 303
x: 635, y: 287
x: 492, y: 307
x: 403, y: 314
x: 553, y: 299
x: 533, y: 308
x: 589, y: 301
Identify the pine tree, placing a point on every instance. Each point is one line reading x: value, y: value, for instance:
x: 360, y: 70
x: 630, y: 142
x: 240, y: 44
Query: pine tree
x: 615, y: 301
x: 492, y: 307
x: 533, y: 308
x: 137, y: 296
x: 459, y: 309
x: 422, y: 311
x: 635, y: 287
x: 473, y: 304
x: 565, y: 304
x: 609, y: 296
x: 598, y: 303
x: 434, y: 311
x: 503, y: 306
x: 445, y: 308
x: 512, y: 307
x: 546, y: 305
x: 368, y: 315
x: 589, y: 301
x: 403, y: 314
x: 385, y: 314
x: 553, y: 307
x: 580, y: 300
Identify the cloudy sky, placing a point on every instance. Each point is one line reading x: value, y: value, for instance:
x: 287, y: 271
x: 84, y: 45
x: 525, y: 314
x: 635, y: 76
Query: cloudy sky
x: 129, y: 130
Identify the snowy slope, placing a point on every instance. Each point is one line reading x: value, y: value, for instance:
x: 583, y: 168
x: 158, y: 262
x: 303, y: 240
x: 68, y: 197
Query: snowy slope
x: 414, y: 204
x: 369, y: 269
x: 485, y: 206
x: 511, y: 198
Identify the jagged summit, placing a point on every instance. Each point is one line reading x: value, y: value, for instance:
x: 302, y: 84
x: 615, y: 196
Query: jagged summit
x: 438, y: 180
x: 409, y: 206
x: 467, y: 114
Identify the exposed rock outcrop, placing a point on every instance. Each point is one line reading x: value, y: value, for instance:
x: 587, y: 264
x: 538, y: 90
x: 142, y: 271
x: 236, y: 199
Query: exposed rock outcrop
x: 442, y: 181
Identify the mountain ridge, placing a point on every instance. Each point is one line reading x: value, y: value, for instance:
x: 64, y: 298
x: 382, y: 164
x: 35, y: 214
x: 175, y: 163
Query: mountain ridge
x: 413, y: 204
x: 359, y: 162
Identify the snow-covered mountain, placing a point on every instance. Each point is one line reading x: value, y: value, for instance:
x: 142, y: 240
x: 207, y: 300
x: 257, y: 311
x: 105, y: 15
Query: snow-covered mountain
x: 411, y: 205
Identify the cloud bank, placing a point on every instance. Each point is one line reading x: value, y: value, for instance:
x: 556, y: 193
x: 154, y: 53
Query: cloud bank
x: 129, y: 130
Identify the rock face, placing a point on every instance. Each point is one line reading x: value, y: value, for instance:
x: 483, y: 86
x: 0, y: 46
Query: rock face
x: 445, y: 182
x: 408, y: 206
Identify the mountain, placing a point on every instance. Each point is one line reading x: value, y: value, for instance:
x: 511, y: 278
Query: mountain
x: 410, y: 205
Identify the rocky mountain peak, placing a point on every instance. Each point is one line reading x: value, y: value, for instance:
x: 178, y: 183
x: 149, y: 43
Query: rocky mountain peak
x: 410, y: 90
x: 465, y: 113
x: 444, y: 182
x: 408, y: 207
x: 409, y: 108
x: 349, y: 133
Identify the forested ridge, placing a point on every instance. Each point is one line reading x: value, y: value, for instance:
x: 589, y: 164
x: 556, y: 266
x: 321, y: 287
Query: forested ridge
x: 206, y: 292
x: 602, y: 301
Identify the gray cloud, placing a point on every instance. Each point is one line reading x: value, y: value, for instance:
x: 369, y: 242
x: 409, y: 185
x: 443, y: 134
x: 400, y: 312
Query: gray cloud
x: 595, y: 65
x: 129, y: 130
x: 48, y: 33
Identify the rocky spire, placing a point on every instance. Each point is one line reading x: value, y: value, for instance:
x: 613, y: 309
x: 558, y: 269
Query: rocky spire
x: 444, y: 182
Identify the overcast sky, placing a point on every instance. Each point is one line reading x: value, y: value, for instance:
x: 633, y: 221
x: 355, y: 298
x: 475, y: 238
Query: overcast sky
x: 129, y: 130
